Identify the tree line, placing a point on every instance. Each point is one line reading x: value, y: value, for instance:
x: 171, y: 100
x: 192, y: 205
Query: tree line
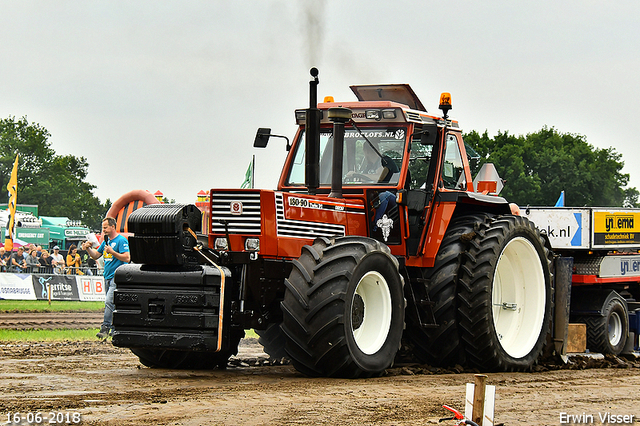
x: 539, y: 166
x: 56, y: 183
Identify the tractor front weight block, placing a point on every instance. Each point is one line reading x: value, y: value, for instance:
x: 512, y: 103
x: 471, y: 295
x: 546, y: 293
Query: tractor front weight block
x: 172, y: 308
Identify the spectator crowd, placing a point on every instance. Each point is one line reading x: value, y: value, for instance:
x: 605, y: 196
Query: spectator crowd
x: 33, y: 259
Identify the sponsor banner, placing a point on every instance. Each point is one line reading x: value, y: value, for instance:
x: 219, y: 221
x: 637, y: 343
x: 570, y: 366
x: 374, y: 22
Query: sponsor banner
x: 565, y: 227
x: 618, y: 227
x: 90, y: 287
x: 16, y: 287
x: 76, y: 232
x: 620, y: 266
x: 63, y: 287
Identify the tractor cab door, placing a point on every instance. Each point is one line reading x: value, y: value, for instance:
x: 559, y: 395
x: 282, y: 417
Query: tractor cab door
x: 419, y: 177
x: 436, y: 165
x: 384, y: 216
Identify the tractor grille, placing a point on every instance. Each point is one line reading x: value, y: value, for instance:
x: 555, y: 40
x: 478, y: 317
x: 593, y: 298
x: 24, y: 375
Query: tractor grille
x: 412, y: 116
x: 247, y: 222
x: 301, y: 228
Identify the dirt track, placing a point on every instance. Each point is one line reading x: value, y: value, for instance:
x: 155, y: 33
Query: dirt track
x: 50, y: 320
x: 108, y: 386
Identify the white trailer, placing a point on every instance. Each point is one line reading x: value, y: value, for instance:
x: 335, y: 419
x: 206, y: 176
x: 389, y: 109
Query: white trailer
x: 604, y: 244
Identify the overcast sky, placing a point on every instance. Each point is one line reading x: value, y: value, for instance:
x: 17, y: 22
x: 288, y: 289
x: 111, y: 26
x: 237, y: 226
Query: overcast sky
x: 167, y: 95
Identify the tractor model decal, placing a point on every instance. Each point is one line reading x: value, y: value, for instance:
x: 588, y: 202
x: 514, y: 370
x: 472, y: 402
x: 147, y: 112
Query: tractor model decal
x: 302, y: 228
x: 385, y: 224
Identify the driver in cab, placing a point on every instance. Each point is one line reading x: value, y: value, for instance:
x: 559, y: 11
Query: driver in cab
x: 374, y: 167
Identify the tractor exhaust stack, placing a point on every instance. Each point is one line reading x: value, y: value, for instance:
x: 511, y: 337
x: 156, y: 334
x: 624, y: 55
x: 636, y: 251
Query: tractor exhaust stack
x: 339, y: 116
x: 312, y: 136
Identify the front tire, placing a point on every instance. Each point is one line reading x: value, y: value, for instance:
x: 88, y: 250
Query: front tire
x: 344, y: 308
x: 505, y: 296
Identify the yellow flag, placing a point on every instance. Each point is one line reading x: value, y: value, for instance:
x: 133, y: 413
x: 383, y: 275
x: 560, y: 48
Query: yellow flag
x: 12, y: 187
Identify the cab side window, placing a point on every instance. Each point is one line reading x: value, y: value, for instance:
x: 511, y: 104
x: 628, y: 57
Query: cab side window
x: 453, y: 169
x: 422, y: 144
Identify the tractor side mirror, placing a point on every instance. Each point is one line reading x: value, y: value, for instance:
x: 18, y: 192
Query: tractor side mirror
x: 262, y: 138
x: 429, y: 134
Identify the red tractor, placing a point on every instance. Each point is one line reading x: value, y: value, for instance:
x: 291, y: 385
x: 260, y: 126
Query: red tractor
x: 374, y: 236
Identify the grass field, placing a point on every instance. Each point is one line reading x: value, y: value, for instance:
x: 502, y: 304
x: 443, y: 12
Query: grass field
x: 47, y: 335
x: 56, y: 306
x: 43, y: 306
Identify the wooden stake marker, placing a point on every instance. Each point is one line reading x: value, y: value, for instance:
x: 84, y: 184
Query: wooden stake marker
x: 480, y: 401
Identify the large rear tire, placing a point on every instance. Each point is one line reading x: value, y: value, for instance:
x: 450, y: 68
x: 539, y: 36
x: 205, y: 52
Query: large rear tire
x: 505, y: 296
x: 187, y: 360
x: 440, y: 346
x: 343, y: 308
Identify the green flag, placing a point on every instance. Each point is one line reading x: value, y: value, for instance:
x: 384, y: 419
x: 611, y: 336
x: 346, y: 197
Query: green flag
x: 248, y: 177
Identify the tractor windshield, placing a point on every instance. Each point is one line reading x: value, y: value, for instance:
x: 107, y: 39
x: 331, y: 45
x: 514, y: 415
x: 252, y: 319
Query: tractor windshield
x: 371, y: 157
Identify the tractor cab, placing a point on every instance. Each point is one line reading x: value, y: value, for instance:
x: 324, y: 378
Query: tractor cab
x: 386, y: 159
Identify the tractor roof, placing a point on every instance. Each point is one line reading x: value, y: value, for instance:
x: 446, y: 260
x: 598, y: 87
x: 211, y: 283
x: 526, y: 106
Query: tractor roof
x: 401, y: 93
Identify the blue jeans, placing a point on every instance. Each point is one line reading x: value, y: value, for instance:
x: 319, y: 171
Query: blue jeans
x: 387, y: 200
x: 109, y: 305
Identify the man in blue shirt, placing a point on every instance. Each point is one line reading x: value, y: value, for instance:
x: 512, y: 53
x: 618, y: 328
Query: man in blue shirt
x: 115, y: 250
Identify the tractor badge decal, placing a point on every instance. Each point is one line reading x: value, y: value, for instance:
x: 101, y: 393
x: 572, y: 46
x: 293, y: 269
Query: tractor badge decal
x: 236, y: 207
x: 385, y: 224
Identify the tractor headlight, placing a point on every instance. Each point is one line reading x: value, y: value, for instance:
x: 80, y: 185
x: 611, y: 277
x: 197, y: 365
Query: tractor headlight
x: 221, y: 244
x: 252, y: 244
x: 372, y: 114
x: 388, y: 114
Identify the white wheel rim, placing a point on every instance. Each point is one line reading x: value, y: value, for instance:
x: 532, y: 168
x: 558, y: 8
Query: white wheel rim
x: 371, y: 327
x: 615, y: 329
x: 518, y: 297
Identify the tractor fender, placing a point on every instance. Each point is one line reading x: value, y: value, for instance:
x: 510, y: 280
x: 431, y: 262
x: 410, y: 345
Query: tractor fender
x: 492, y: 203
x: 592, y: 302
